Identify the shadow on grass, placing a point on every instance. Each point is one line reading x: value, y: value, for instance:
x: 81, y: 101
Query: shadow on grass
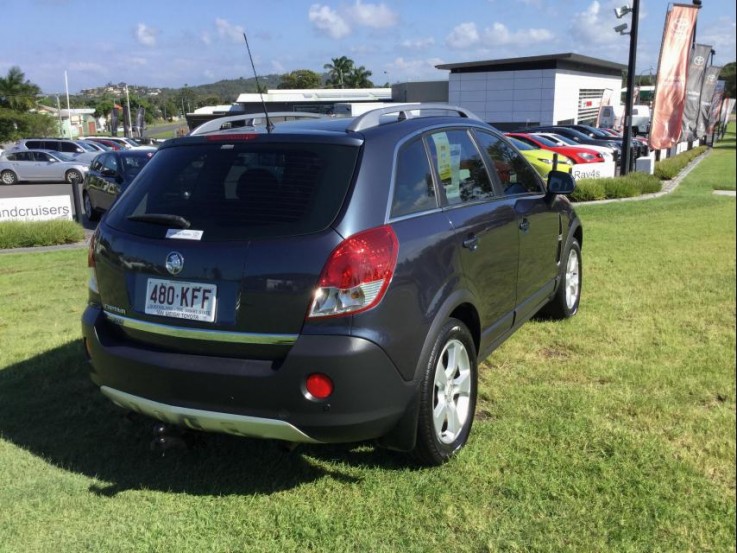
x: 726, y: 143
x: 48, y: 406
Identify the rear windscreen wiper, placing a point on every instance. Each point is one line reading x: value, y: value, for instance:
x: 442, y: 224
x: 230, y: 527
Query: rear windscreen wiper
x: 161, y: 219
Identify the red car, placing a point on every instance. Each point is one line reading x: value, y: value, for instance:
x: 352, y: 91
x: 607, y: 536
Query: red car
x: 109, y: 143
x: 577, y: 153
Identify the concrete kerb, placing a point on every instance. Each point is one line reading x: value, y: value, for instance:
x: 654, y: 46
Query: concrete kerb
x: 668, y: 186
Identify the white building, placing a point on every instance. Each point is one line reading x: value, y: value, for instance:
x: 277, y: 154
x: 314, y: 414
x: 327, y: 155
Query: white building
x: 545, y: 90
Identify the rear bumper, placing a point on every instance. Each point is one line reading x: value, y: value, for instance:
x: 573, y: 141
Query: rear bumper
x: 252, y: 397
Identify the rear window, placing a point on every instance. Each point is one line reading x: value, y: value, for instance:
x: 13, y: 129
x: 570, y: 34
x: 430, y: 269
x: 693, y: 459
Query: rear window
x: 241, y: 191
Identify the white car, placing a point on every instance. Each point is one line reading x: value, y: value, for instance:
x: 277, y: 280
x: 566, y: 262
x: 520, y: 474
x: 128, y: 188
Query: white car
x: 40, y: 166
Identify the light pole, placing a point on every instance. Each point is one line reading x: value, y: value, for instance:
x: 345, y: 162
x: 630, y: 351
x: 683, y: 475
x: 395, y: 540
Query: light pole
x: 621, y: 12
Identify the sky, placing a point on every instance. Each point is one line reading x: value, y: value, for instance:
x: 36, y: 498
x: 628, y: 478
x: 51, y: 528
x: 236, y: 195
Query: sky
x: 170, y: 43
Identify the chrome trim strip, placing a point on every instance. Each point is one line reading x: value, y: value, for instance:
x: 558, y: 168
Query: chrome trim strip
x: 202, y: 333
x: 209, y: 421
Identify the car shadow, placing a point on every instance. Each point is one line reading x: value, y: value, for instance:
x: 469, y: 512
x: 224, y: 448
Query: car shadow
x: 49, y: 407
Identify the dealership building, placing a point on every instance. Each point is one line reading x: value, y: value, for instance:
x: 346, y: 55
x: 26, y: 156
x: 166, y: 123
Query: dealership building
x: 544, y: 90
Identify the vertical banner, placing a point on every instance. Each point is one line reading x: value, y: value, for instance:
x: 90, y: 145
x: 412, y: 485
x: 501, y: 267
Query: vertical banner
x: 114, y: 121
x: 670, y: 86
x: 711, y: 74
x: 694, y: 83
x: 126, y: 118
x: 716, y: 107
x: 606, y: 99
x: 140, y: 123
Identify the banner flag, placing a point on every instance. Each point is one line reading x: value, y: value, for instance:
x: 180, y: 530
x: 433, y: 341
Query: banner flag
x: 694, y: 83
x: 707, y: 95
x: 140, y: 122
x: 716, y: 106
x: 727, y: 107
x: 114, y: 122
x: 126, y: 118
x: 670, y: 85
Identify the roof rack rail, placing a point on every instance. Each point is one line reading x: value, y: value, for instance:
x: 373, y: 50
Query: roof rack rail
x: 251, y: 120
x: 405, y: 111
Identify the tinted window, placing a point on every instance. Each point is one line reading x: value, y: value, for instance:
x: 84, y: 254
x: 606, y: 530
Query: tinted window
x: 413, y: 187
x: 133, y: 163
x: 35, y: 144
x: 459, y: 167
x: 515, y: 175
x: 70, y: 147
x: 109, y: 163
x: 41, y: 156
x: 236, y: 192
x: 96, y: 164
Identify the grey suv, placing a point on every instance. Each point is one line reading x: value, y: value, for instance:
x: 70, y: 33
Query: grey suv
x: 332, y: 280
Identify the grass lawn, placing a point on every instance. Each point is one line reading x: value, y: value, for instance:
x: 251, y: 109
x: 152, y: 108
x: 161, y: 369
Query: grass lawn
x: 614, y: 431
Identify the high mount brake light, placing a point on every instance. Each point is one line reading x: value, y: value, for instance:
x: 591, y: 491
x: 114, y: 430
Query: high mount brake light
x: 92, y: 283
x: 231, y: 137
x: 357, y: 274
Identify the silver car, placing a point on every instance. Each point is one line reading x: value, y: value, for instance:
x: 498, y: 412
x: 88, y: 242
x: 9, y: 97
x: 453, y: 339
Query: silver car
x: 40, y: 166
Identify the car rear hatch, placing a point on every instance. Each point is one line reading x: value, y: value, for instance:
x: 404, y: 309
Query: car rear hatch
x: 217, y: 247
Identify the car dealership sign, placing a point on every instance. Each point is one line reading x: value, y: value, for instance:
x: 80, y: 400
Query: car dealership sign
x: 593, y: 170
x: 39, y: 208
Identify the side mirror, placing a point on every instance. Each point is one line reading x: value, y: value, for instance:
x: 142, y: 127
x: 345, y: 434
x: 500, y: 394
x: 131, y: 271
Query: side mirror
x: 560, y: 183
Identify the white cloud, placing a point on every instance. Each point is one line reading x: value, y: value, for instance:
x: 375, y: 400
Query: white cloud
x: 226, y: 29
x: 466, y: 35
x: 205, y: 38
x: 402, y: 69
x: 462, y: 36
x: 377, y: 16
x: 594, y: 26
x: 146, y: 35
x: 418, y: 43
x: 328, y: 21
x: 499, y: 35
x: 720, y: 35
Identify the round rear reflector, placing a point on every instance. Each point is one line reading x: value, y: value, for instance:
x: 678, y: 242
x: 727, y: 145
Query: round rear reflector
x: 319, y: 385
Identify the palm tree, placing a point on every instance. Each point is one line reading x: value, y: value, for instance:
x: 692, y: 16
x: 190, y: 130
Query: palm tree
x: 16, y: 92
x: 359, y: 78
x: 338, y: 71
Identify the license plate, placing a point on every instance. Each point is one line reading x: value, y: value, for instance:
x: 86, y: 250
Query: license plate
x: 184, y: 300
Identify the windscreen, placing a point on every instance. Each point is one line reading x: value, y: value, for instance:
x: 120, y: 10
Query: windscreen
x: 238, y: 191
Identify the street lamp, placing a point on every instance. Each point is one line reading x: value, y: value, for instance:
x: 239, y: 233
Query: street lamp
x: 621, y: 12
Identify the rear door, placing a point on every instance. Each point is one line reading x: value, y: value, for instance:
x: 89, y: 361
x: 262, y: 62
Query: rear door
x: 225, y: 240
x: 484, y: 226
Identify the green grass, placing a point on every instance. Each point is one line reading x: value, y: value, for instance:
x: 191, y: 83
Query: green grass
x: 22, y: 234
x: 670, y: 167
x: 614, y: 431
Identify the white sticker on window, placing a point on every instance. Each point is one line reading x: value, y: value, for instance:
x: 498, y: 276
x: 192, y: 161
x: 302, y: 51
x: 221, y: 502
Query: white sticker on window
x: 184, y: 234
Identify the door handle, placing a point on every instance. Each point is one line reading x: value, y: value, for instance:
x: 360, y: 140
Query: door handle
x: 524, y: 226
x: 471, y: 243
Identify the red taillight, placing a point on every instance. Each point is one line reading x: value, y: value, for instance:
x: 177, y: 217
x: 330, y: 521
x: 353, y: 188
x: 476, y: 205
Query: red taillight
x: 356, y: 274
x: 231, y: 137
x: 319, y: 386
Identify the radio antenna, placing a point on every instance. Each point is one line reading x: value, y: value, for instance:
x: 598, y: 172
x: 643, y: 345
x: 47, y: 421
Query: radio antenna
x: 269, y: 124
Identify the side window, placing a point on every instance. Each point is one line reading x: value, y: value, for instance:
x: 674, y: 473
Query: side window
x: 413, y: 187
x: 459, y: 167
x: 515, y: 175
x: 70, y: 147
x: 109, y: 163
x: 34, y: 145
x: 41, y: 156
x: 96, y: 164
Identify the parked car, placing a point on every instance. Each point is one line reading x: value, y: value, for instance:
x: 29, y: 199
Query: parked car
x: 122, y: 141
x: 577, y: 154
x: 109, y: 144
x: 109, y: 175
x: 564, y: 140
x: 63, y: 145
x: 579, y: 138
x: 333, y: 280
x: 542, y: 160
x: 40, y: 166
x: 636, y: 146
x: 91, y: 146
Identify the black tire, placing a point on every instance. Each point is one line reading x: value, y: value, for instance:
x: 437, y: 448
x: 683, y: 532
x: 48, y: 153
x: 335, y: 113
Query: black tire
x: 568, y: 296
x: 8, y: 177
x: 90, y: 212
x: 73, y: 176
x: 453, y: 352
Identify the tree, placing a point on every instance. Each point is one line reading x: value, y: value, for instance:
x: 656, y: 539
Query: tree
x: 359, y: 78
x: 16, y: 92
x: 338, y: 71
x: 728, y: 74
x: 301, y: 78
